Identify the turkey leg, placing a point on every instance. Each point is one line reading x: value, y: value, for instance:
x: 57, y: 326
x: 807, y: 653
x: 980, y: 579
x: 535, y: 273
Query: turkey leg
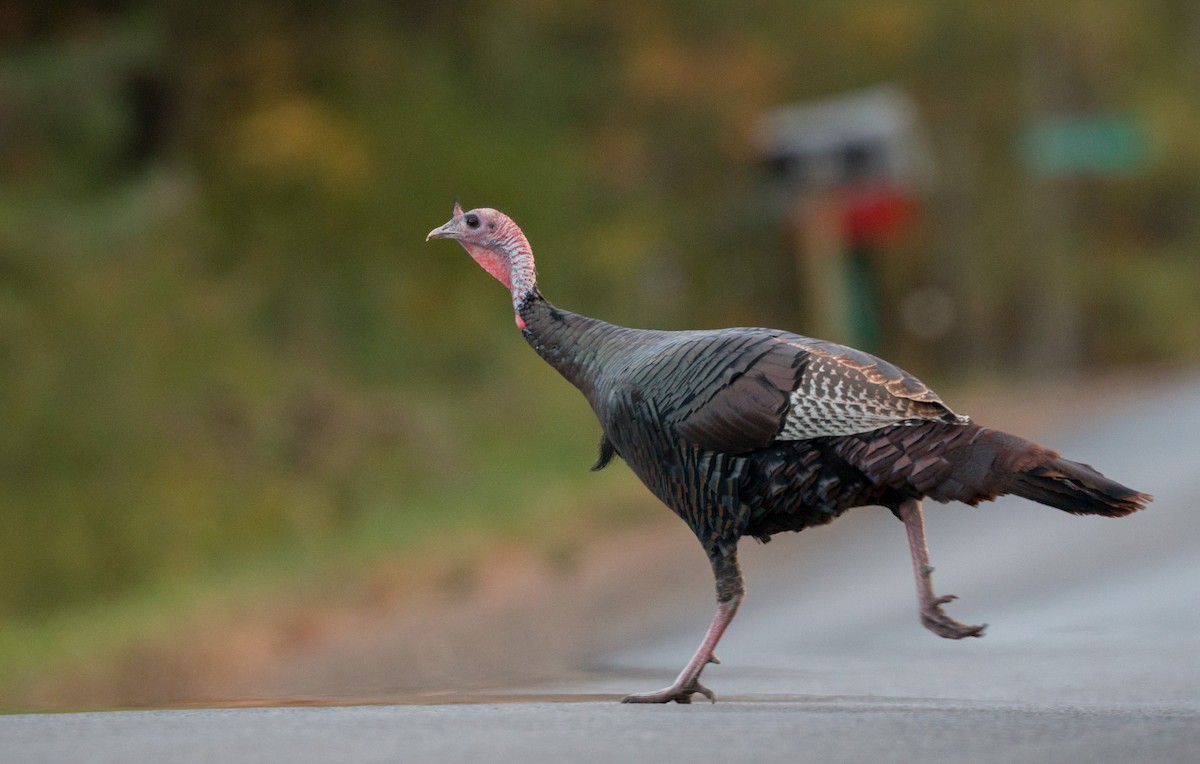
x: 932, y: 616
x: 730, y: 591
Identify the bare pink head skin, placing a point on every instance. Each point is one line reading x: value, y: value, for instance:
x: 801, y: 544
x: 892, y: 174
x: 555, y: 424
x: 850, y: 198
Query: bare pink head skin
x: 497, y: 244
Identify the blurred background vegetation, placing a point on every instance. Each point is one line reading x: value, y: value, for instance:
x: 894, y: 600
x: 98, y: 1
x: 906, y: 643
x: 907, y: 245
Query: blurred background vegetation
x: 222, y: 336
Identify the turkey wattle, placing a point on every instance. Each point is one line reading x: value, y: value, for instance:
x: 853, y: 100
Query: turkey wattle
x: 749, y: 432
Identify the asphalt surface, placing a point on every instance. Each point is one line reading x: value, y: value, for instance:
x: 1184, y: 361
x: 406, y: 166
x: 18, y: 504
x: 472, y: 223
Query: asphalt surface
x: 1093, y: 653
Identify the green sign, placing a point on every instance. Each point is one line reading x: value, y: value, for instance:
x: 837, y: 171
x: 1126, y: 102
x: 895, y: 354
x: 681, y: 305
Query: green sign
x: 1093, y: 146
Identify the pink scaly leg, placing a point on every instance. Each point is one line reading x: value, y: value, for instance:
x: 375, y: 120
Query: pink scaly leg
x: 730, y: 591
x: 932, y: 616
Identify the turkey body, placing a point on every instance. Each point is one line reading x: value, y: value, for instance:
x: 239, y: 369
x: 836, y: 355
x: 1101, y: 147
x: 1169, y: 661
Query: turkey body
x: 751, y: 432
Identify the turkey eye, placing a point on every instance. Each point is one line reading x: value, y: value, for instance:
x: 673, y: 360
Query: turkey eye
x: 472, y: 220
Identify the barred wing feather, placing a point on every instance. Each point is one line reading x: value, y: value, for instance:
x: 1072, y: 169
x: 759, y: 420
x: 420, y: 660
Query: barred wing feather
x: 794, y: 388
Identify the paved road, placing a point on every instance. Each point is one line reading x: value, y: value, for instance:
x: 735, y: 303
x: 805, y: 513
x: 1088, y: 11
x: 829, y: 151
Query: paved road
x: 1093, y: 653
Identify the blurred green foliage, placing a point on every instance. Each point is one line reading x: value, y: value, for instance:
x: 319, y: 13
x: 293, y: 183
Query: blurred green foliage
x: 221, y: 330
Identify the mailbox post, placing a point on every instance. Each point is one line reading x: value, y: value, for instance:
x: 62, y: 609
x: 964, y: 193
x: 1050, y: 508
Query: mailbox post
x: 849, y: 170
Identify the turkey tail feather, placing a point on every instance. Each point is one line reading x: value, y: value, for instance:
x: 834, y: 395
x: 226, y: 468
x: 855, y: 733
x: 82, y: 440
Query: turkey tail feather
x: 990, y: 463
x: 1076, y: 488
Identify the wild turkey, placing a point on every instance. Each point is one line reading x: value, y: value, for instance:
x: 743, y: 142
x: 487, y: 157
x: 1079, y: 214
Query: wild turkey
x: 749, y: 432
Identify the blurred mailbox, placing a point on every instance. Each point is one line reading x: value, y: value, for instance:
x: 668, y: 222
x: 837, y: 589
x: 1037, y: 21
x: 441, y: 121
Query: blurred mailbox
x: 850, y: 167
x: 865, y: 137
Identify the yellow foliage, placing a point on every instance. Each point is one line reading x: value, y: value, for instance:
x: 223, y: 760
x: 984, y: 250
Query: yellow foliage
x: 619, y: 156
x: 734, y: 78
x: 887, y: 27
x: 299, y: 138
x: 728, y: 74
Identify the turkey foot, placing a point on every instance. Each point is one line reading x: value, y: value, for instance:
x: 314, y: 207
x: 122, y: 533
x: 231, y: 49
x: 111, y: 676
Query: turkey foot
x: 936, y: 620
x: 932, y: 615
x: 687, y: 683
x: 680, y: 692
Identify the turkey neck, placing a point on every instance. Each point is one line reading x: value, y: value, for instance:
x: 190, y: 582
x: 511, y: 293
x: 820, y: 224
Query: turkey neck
x: 571, y: 343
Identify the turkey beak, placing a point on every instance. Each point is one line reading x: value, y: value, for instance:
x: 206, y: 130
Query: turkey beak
x: 446, y: 231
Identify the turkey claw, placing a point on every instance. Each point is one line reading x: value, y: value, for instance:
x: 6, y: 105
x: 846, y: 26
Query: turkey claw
x: 676, y: 692
x: 936, y: 620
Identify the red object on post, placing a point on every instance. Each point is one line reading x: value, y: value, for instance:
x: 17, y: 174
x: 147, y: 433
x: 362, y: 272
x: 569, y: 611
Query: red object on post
x: 876, y: 216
